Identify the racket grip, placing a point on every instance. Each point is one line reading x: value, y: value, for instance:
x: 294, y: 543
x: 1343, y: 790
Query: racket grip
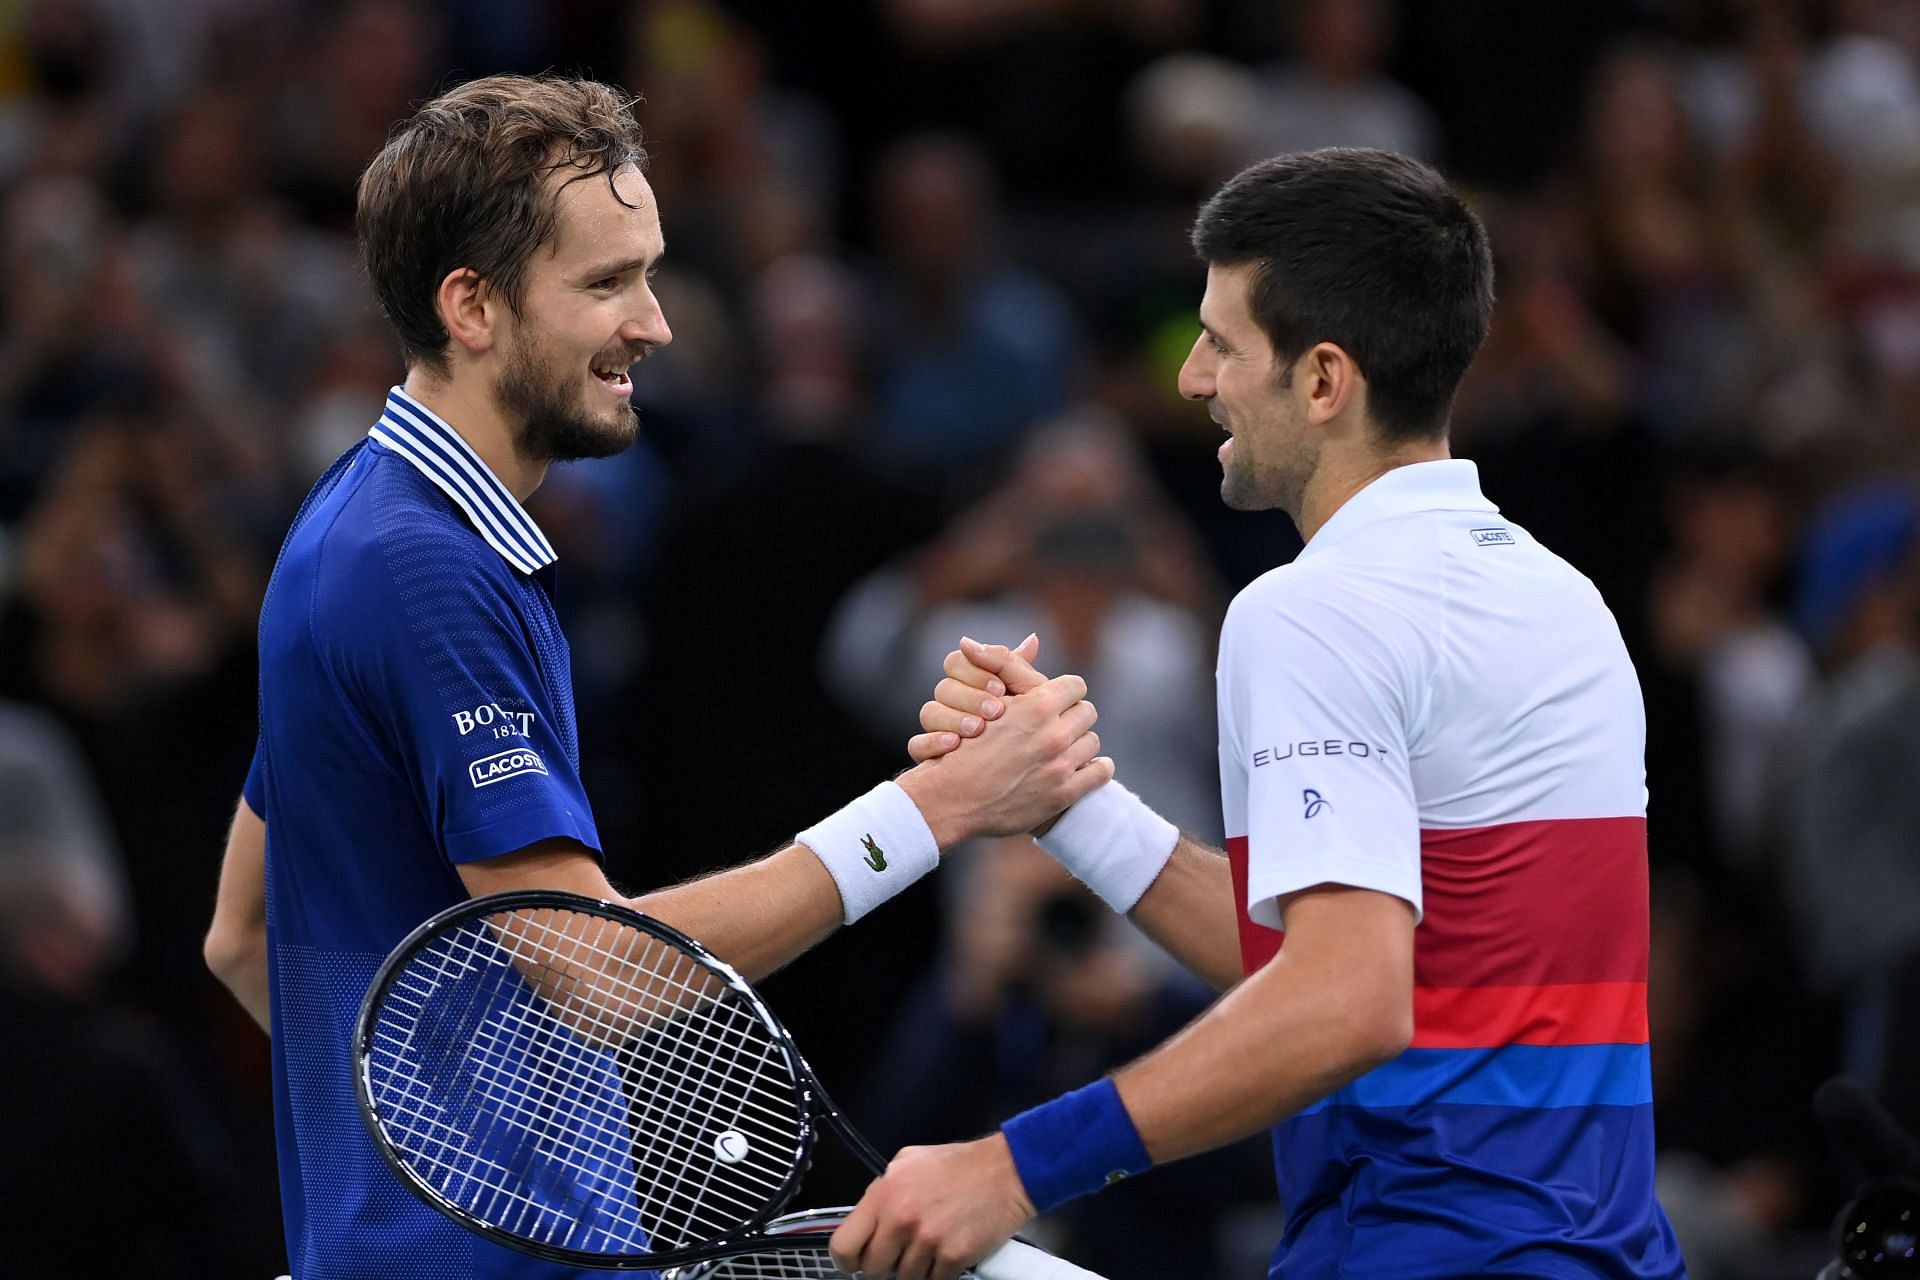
x: 1016, y: 1261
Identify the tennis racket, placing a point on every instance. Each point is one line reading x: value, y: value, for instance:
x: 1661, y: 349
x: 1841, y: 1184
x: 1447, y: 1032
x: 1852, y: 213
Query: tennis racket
x: 582, y: 1083
x: 776, y: 1259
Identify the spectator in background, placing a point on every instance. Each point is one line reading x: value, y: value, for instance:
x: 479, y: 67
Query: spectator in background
x: 1794, y: 91
x: 131, y: 571
x: 55, y: 244
x: 1725, y: 682
x: 1854, y: 862
x: 1038, y: 82
x: 747, y: 171
x: 250, y: 295
x: 1723, y: 651
x: 48, y: 801
x: 367, y: 64
x: 972, y: 350
x: 139, y: 586
x: 1078, y: 546
x: 1657, y: 245
x: 99, y: 1107
x: 1335, y: 91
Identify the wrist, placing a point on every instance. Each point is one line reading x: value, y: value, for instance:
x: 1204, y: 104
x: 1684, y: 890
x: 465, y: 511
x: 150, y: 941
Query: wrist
x: 1112, y: 843
x: 1002, y: 1153
x: 1075, y: 1145
x: 873, y: 848
x: 947, y: 816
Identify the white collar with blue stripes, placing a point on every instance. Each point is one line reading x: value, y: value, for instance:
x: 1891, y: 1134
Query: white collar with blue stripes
x: 436, y: 450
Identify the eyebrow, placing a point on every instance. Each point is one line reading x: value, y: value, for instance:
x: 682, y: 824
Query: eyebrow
x: 617, y: 268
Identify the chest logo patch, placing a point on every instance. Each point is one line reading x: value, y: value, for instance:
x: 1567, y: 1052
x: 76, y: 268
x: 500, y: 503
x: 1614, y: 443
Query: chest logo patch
x: 507, y: 764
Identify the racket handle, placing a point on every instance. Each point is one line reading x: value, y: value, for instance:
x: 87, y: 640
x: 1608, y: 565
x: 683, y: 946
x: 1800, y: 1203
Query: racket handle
x: 1016, y: 1261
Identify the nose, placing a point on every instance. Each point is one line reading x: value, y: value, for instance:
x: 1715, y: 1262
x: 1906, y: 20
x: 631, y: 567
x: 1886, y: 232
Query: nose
x: 1196, y: 374
x: 649, y: 326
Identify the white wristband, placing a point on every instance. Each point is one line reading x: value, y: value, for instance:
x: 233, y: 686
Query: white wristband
x: 873, y: 848
x: 1113, y: 843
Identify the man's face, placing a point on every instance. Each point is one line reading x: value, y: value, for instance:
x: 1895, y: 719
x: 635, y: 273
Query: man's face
x: 588, y: 314
x: 1269, y: 454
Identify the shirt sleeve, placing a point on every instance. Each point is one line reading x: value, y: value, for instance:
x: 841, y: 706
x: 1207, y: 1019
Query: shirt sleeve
x: 449, y: 671
x: 1322, y: 686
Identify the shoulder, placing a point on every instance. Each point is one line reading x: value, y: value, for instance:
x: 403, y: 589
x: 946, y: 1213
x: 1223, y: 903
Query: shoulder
x: 396, y: 550
x: 1379, y: 582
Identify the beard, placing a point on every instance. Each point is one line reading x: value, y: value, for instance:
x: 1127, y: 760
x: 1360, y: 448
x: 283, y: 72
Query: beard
x: 1249, y: 483
x: 557, y: 425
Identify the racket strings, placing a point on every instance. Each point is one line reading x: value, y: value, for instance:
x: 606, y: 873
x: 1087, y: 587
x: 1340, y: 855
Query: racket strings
x: 575, y: 1081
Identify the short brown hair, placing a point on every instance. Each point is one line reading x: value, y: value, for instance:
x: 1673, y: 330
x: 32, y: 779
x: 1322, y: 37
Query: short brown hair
x: 463, y: 184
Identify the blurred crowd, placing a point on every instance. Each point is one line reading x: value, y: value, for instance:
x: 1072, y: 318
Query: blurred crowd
x: 928, y: 277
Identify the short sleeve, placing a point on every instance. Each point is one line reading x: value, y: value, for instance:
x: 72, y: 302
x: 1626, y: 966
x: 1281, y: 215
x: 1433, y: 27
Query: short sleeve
x: 254, y: 791
x: 1318, y: 688
x: 448, y: 669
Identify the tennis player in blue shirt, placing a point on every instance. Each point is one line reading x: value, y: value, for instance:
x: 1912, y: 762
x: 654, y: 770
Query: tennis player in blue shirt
x: 417, y: 740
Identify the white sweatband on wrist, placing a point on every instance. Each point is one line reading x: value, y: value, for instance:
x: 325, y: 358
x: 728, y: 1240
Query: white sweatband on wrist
x: 873, y: 848
x: 1113, y: 843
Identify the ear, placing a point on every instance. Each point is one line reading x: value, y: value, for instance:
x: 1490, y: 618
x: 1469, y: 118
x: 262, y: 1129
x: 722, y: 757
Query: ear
x: 469, y: 309
x: 1329, y: 383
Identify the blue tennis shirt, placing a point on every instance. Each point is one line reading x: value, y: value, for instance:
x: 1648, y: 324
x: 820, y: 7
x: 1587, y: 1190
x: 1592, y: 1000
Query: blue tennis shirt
x: 416, y: 712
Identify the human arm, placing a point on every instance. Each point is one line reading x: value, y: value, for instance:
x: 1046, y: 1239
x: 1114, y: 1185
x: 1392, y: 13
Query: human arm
x: 1040, y: 757
x: 1336, y: 1002
x: 236, y: 943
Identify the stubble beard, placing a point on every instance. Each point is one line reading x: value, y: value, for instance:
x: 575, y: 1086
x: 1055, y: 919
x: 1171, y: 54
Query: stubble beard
x: 556, y: 426
x: 1248, y: 485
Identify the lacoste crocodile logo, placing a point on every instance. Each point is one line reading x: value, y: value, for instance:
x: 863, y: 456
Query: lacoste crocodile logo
x: 876, y: 856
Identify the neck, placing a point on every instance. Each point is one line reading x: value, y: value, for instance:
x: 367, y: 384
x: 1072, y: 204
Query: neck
x: 1340, y: 477
x: 472, y: 410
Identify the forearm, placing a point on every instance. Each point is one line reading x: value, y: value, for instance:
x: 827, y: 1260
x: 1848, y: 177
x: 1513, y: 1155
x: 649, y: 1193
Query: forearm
x: 1283, y: 1039
x: 236, y: 943
x: 758, y: 917
x: 1189, y: 910
x: 242, y: 969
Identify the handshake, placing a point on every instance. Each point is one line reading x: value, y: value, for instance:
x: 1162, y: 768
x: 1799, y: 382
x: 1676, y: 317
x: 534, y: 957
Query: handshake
x: 1003, y: 750
x: 1033, y: 751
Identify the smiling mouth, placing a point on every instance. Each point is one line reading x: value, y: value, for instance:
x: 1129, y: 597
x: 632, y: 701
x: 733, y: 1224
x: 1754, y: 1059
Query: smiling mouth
x: 616, y: 378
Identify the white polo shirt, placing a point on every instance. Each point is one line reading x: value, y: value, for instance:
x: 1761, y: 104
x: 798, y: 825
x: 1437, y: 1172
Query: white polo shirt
x: 1430, y: 704
x: 1423, y: 664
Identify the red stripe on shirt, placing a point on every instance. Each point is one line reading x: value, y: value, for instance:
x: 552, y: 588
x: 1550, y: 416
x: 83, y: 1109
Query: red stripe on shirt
x: 1524, y: 904
x: 1562, y: 1014
x: 1258, y: 944
x: 1534, y: 904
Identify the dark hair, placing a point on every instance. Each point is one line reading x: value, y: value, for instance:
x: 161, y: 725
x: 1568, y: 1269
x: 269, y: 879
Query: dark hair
x: 1372, y: 252
x: 463, y: 184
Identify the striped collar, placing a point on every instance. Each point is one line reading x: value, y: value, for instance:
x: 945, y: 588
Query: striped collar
x: 437, y: 452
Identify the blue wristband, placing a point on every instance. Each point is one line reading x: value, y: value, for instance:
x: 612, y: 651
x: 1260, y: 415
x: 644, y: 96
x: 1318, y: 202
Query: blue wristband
x: 1075, y: 1145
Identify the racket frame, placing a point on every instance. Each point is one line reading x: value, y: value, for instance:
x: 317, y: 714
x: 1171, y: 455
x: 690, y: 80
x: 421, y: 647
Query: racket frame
x: 750, y: 1235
